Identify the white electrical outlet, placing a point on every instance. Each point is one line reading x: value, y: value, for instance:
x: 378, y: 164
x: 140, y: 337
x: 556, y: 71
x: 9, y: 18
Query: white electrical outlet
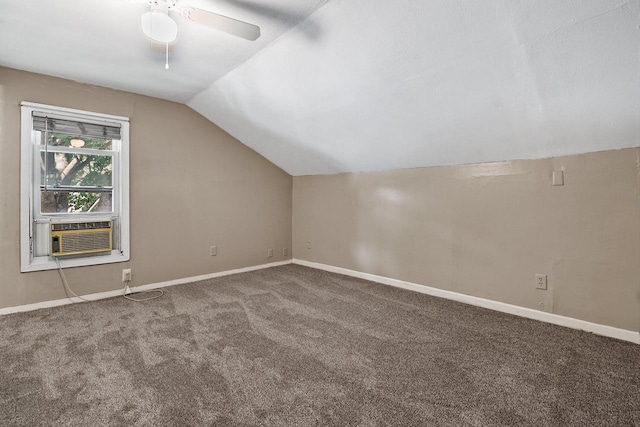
x: 285, y: 251
x: 126, y: 275
x: 270, y: 253
x: 308, y: 244
x: 213, y: 250
x: 541, y: 281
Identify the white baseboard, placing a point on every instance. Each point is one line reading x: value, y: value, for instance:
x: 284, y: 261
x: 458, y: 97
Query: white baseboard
x: 208, y: 276
x: 569, y: 322
x: 118, y: 292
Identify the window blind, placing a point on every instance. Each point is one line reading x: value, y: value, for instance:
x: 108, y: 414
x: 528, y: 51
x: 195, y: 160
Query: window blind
x: 75, y: 128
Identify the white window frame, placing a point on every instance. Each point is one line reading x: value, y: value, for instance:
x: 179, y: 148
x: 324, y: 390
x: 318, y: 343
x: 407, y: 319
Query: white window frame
x: 30, y: 192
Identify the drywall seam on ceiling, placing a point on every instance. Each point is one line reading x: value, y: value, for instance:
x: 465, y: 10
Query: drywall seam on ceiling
x: 263, y: 49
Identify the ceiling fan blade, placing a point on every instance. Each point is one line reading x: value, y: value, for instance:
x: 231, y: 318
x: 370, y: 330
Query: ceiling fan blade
x: 222, y: 23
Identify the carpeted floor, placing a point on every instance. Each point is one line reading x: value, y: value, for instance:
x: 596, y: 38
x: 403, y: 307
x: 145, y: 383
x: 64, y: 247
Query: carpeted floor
x: 296, y: 346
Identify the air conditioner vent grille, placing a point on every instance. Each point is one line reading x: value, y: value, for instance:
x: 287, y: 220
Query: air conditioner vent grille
x: 85, y: 242
x: 80, y: 225
x: 76, y: 238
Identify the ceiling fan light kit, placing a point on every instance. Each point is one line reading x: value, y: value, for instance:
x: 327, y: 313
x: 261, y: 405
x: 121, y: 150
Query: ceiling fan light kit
x: 159, y: 27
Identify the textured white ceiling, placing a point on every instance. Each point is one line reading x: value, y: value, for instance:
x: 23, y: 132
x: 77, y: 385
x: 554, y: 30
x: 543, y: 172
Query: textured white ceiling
x: 362, y: 85
x: 101, y: 42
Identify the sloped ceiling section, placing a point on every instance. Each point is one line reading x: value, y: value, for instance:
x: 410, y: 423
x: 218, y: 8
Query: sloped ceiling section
x: 391, y: 85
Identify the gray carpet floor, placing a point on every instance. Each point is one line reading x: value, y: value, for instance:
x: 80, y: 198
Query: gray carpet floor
x: 294, y: 346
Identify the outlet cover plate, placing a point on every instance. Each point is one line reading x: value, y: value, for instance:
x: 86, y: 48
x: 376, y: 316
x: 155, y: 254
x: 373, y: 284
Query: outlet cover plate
x: 541, y: 281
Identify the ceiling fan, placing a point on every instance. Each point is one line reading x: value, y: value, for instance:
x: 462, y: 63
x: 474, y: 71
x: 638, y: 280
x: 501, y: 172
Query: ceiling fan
x: 159, y: 27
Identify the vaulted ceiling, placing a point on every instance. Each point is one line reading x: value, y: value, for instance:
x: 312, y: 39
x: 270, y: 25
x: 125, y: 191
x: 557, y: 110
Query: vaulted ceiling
x: 362, y: 85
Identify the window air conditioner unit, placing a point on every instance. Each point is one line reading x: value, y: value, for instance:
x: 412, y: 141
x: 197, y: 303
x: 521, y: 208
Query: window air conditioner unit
x: 76, y: 238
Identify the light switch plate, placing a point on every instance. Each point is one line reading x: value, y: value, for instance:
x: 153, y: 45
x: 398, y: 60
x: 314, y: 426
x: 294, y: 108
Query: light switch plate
x: 558, y: 178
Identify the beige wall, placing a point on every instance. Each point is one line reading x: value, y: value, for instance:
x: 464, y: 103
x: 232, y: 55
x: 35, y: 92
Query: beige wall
x: 192, y: 186
x: 486, y: 229
x: 482, y: 230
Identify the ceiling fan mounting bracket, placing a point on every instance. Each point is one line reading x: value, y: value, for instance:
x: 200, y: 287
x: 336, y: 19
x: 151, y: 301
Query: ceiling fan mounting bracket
x: 162, y: 5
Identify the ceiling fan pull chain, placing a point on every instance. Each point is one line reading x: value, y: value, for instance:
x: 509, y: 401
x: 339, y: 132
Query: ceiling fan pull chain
x: 166, y: 64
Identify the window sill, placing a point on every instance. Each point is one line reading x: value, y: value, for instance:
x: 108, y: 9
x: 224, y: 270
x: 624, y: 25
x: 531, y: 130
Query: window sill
x: 48, y: 263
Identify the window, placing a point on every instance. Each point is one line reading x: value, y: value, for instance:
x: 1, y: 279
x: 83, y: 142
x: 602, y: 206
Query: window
x: 75, y: 171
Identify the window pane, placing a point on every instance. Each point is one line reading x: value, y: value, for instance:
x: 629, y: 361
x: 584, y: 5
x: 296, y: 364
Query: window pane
x: 75, y: 170
x: 75, y: 201
x: 62, y: 140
